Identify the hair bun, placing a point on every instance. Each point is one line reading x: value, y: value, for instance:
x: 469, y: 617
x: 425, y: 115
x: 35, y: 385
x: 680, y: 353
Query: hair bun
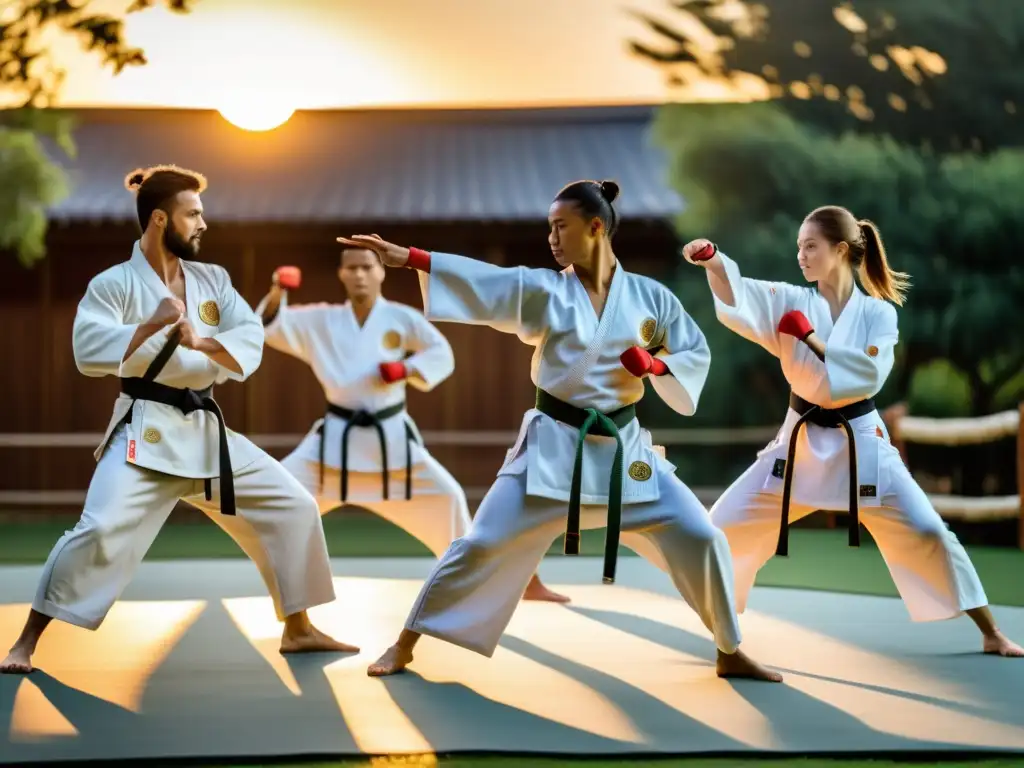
x: 609, y: 190
x: 134, y: 179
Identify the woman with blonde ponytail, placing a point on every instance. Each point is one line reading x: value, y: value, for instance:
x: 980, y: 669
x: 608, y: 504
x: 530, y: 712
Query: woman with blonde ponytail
x: 875, y: 274
x: 835, y: 341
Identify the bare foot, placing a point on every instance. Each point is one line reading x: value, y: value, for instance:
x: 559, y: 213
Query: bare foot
x: 18, y: 662
x: 997, y: 644
x: 395, y: 659
x: 537, y: 591
x: 740, y: 665
x: 312, y: 640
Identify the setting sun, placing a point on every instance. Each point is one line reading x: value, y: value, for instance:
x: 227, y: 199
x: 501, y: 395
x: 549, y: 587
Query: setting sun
x: 254, y: 115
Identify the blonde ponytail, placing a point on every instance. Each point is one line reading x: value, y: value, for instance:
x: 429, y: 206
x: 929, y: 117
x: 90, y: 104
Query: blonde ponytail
x: 877, y: 277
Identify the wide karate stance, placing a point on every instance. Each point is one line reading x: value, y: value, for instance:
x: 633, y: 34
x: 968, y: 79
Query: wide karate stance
x: 366, y: 450
x: 170, y: 328
x: 835, y: 344
x: 597, y: 331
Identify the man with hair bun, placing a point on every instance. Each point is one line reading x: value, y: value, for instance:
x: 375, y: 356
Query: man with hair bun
x: 581, y: 459
x: 170, y: 328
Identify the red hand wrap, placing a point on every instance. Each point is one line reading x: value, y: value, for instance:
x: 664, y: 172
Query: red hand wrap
x: 392, y: 372
x: 795, y: 323
x: 705, y: 253
x: 418, y: 260
x: 638, y: 361
x: 289, y: 278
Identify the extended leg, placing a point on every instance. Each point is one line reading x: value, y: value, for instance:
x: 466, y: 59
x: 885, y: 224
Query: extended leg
x: 750, y: 519
x: 929, y: 565
x: 474, y: 589
x: 90, y: 566
x: 696, y: 555
x: 278, y: 526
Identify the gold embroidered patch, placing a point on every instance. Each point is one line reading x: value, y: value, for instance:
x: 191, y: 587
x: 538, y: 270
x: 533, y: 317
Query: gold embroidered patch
x: 647, y: 330
x: 640, y: 470
x: 872, y: 351
x: 209, y: 313
x: 392, y: 340
x: 151, y: 435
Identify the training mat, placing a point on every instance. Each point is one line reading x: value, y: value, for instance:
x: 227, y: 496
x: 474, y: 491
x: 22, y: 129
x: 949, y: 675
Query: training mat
x: 186, y: 665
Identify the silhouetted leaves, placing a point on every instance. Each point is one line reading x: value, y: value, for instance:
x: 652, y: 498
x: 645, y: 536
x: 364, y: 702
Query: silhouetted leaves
x: 31, y: 79
x: 945, y: 73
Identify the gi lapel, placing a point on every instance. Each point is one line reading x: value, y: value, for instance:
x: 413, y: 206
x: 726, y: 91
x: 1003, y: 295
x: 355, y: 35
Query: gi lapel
x: 609, y: 314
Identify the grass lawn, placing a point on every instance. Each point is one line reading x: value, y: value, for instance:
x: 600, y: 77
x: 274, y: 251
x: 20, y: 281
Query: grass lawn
x: 819, y: 559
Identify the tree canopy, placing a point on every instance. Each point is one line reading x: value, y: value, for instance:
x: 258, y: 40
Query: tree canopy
x: 943, y: 73
x: 30, y: 80
x: 750, y: 173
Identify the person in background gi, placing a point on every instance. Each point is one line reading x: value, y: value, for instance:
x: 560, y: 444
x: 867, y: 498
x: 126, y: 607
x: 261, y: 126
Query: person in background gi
x: 367, y: 450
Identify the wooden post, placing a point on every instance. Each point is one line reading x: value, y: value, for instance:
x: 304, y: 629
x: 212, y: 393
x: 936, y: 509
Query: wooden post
x: 1020, y: 474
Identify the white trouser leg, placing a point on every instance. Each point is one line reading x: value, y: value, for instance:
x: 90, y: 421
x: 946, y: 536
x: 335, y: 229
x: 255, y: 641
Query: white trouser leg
x: 928, y: 564
x: 277, y: 524
x: 90, y: 566
x: 474, y: 589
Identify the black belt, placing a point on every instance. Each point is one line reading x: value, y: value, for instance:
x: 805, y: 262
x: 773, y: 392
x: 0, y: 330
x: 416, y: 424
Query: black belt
x: 187, y: 401
x: 366, y: 419
x: 589, y: 421
x: 831, y: 418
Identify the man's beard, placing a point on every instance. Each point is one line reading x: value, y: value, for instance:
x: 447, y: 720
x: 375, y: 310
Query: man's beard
x: 178, y: 245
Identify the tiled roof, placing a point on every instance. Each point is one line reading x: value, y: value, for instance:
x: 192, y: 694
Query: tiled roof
x: 409, y: 165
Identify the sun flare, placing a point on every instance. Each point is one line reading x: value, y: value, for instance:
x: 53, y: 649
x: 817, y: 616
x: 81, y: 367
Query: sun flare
x: 256, y: 115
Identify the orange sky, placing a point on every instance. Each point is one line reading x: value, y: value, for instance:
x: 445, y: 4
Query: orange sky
x: 342, y: 53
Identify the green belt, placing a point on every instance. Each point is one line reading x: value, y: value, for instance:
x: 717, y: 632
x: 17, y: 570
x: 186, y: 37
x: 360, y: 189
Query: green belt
x: 592, y: 422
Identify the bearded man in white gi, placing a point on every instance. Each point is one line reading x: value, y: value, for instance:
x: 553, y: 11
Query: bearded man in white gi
x: 170, y: 328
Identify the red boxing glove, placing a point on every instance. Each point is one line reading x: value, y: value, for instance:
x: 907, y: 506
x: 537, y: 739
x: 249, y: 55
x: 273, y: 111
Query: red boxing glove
x: 289, y: 278
x: 795, y: 323
x: 639, y: 362
x: 392, y: 372
x: 418, y: 260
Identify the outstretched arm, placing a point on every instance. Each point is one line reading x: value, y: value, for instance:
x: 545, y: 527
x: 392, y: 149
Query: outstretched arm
x: 458, y: 289
x: 748, y: 307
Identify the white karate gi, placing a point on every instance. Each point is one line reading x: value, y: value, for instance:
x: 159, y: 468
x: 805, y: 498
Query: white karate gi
x: 144, y: 467
x: 345, y: 358
x: 931, y: 570
x: 469, y: 598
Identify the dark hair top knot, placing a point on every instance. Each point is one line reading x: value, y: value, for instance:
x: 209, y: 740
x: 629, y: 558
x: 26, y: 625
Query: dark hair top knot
x: 594, y: 199
x: 609, y: 190
x: 134, y: 180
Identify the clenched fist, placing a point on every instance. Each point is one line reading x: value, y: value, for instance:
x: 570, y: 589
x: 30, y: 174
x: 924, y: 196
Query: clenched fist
x: 287, y: 278
x: 168, y: 311
x: 190, y: 339
x: 795, y: 323
x: 640, y: 362
x: 392, y: 372
x: 699, y: 251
